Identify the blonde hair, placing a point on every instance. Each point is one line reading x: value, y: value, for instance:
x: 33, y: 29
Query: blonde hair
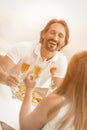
x: 74, y: 89
x: 46, y: 28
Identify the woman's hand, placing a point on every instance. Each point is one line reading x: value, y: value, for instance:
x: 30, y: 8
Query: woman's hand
x: 30, y: 82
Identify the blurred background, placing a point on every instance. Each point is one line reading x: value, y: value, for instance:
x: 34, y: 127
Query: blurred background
x: 22, y: 20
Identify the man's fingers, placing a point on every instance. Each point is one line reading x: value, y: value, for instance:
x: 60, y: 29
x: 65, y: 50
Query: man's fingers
x: 12, y: 81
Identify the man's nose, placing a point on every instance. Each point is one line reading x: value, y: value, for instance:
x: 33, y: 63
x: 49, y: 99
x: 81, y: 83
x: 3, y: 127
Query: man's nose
x: 56, y: 38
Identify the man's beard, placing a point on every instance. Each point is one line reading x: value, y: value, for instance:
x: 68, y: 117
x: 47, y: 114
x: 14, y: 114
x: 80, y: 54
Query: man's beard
x: 51, y: 46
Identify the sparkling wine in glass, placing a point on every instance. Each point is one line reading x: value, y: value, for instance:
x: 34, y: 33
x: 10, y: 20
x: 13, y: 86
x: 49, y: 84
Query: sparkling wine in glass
x: 37, y: 70
x: 20, y: 93
x: 52, y: 72
x: 36, y: 98
x: 24, y: 67
x: 21, y: 88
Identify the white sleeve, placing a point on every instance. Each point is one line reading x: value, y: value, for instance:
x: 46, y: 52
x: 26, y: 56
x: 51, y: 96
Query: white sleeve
x: 61, y: 67
x: 19, y: 51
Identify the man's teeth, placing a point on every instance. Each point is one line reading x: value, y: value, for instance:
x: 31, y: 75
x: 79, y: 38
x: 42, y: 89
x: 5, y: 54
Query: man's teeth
x: 53, y: 43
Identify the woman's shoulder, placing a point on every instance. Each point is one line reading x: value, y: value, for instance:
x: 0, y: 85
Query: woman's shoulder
x: 52, y: 100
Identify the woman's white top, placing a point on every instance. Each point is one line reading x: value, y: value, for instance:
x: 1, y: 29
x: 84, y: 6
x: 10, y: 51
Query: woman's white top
x: 53, y: 124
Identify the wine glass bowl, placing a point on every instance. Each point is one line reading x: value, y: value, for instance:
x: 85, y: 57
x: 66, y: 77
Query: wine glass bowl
x: 52, y: 70
x: 24, y: 67
x: 37, y: 70
x: 20, y: 92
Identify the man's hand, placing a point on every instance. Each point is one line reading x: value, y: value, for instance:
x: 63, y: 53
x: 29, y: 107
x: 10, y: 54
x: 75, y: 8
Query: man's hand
x: 11, y: 81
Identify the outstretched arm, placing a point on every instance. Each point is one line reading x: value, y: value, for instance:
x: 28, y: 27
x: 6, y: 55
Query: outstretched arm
x: 5, y: 65
x: 31, y: 120
x: 36, y: 119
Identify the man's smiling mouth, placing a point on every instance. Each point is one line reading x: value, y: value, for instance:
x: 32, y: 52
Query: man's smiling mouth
x: 52, y: 43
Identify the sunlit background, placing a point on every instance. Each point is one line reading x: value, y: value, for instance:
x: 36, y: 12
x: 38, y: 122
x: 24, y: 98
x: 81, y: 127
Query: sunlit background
x: 22, y: 20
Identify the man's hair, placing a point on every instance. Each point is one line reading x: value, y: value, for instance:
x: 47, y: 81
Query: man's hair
x: 46, y: 28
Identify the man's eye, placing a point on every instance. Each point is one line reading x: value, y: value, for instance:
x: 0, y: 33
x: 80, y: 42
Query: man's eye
x: 61, y: 35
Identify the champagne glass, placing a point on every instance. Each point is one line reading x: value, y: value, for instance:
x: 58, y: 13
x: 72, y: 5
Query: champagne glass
x: 20, y: 91
x: 36, y: 98
x: 52, y: 72
x: 52, y: 84
x: 24, y: 68
x: 37, y: 71
x: 15, y: 71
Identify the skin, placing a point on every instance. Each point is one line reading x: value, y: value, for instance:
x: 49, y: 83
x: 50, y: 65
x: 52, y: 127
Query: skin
x: 5, y: 65
x: 38, y: 116
x: 71, y: 93
x: 53, y: 41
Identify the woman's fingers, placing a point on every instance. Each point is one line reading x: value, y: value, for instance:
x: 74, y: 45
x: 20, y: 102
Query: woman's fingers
x: 30, y: 82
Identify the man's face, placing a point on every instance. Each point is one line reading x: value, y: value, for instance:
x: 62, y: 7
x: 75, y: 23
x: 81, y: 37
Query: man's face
x: 54, y: 38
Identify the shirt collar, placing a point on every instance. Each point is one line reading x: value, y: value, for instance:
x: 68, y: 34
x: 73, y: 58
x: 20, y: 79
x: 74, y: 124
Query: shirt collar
x: 37, y: 52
